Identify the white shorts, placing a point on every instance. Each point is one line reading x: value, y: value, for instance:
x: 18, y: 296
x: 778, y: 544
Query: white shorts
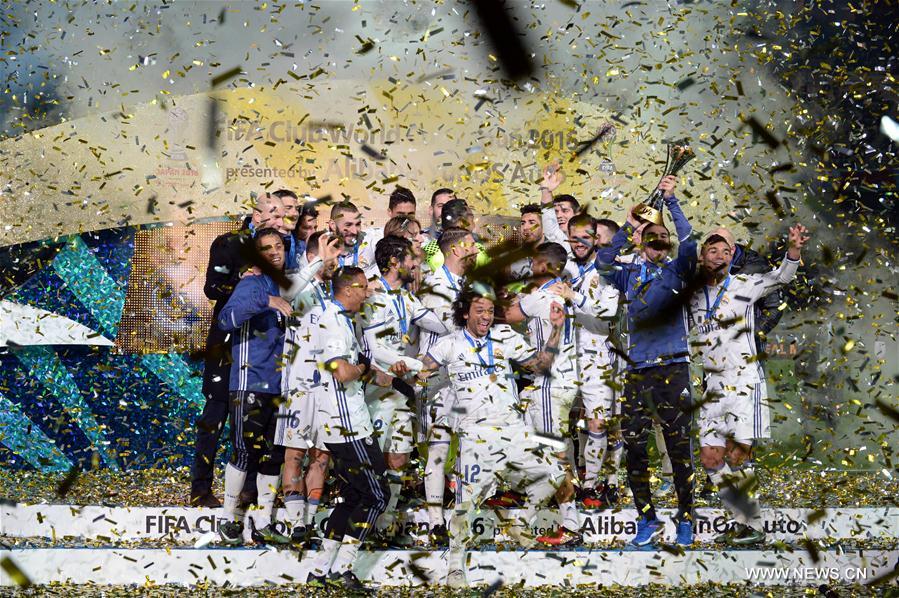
x: 297, y: 426
x: 489, y: 457
x: 391, y: 419
x: 548, y: 409
x: 735, y: 410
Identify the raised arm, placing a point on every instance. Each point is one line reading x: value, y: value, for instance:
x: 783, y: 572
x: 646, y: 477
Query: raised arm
x: 552, y: 178
x: 786, y: 272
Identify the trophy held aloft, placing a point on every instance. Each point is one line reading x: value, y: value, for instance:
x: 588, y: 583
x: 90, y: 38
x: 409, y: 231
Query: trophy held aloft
x: 679, y: 153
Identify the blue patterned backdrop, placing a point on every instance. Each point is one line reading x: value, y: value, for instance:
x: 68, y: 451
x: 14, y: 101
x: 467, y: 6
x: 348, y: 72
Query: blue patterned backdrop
x: 61, y: 405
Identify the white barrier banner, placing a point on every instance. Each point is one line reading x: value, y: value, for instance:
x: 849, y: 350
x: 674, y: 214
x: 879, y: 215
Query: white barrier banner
x: 188, y: 524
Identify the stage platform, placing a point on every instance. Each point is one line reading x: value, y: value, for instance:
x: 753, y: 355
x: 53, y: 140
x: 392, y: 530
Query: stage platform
x: 177, y: 545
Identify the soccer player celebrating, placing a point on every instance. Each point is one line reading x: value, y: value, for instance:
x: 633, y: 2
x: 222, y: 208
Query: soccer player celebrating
x: 494, y: 439
x: 550, y: 398
x: 595, y: 304
x: 297, y: 428
x: 257, y: 313
x: 440, y: 289
x: 734, y: 411
x: 530, y: 230
x: 400, y: 204
x: 658, y: 376
x: 439, y: 198
x: 347, y: 430
x: 346, y: 223
x: 390, y: 319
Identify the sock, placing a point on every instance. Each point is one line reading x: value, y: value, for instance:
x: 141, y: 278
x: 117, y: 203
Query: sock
x: 722, y: 478
x: 745, y: 482
x: 569, y: 456
x: 613, y: 463
x: 321, y: 562
x: 266, y: 488
x: 234, y: 479
x: 395, y: 481
x: 570, y: 519
x: 594, y: 454
x: 313, y: 497
x: 346, y: 555
x: 434, y: 482
x: 582, y: 444
x: 663, y: 452
x: 295, y: 504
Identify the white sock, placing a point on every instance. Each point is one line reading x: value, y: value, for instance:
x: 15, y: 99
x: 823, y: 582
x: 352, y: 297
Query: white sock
x: 594, y: 454
x: 234, y: 479
x: 267, y: 489
x: 434, y: 482
x: 663, y: 451
x: 614, y: 454
x: 723, y: 479
x: 582, y: 443
x: 395, y: 481
x: 295, y: 505
x: 311, y: 510
x: 321, y: 562
x: 744, y: 479
x: 346, y: 556
x: 570, y: 518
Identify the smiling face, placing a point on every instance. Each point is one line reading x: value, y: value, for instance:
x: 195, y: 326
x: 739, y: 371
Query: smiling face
x: 356, y: 294
x: 479, y: 318
x: 581, y: 240
x: 564, y: 212
x: 656, y: 243
x: 347, y: 227
x: 530, y: 228
x: 291, y: 214
x: 271, y: 248
x: 407, y: 268
x: 715, y: 258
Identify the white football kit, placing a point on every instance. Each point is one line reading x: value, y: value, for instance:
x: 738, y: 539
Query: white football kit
x: 735, y: 401
x: 550, y: 398
x: 595, y: 305
x: 496, y: 443
x: 298, y: 414
x: 440, y: 289
x: 390, y: 322
x: 343, y: 412
x: 361, y: 255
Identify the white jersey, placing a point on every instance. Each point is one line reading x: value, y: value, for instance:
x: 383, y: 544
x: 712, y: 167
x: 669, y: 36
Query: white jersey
x: 537, y: 306
x: 390, y: 319
x: 344, y: 412
x: 300, y: 359
x: 362, y: 255
x: 439, y: 289
x: 481, y: 375
x: 722, y: 319
x: 595, y: 305
x: 521, y: 268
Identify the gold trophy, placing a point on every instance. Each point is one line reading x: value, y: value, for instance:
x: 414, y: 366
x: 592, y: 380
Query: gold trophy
x: 679, y: 153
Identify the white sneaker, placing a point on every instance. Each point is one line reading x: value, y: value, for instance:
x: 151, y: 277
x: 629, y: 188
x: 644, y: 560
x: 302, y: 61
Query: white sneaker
x: 456, y: 579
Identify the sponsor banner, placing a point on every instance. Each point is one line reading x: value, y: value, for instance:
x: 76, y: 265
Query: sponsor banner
x: 187, y: 524
x: 253, y: 567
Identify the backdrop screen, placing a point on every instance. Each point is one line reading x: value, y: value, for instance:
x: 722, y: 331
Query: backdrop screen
x: 165, y: 307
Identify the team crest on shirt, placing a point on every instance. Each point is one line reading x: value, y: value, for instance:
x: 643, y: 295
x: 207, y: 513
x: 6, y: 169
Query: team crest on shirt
x: 368, y: 441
